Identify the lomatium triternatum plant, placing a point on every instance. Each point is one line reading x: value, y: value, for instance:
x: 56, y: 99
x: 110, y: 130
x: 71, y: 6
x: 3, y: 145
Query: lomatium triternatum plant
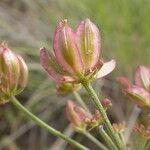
x: 75, y: 63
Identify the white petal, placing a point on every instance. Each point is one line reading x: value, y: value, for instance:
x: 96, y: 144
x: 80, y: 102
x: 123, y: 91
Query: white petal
x: 107, y: 68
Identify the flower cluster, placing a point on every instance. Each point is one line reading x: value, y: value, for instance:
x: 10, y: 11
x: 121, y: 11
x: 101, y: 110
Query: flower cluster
x: 119, y: 127
x: 139, y: 92
x: 13, y: 73
x: 76, y: 55
x: 143, y: 131
x: 80, y: 118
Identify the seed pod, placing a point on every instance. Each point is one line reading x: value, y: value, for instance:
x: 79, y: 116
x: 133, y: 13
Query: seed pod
x: 89, y: 43
x: 13, y: 73
x: 66, y: 50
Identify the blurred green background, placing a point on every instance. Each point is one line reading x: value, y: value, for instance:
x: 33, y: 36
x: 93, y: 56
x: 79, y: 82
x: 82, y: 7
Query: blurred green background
x: 28, y: 25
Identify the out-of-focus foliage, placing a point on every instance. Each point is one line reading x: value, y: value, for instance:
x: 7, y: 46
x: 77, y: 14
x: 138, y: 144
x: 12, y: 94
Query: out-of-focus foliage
x: 29, y: 24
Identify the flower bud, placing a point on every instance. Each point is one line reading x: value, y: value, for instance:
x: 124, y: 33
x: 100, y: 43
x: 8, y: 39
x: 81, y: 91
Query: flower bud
x: 119, y: 127
x: 82, y: 119
x: 142, y: 131
x: 142, y: 77
x: 96, y: 119
x: 139, y: 96
x: 138, y: 92
x: 106, y: 103
x: 9, y: 69
x: 63, y: 82
x: 89, y: 43
x: 66, y: 50
x: 13, y: 73
x: 64, y: 88
x: 77, y: 116
x: 23, y: 77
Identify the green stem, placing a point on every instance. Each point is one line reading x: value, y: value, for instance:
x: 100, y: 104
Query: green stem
x: 99, y: 106
x: 108, y: 140
x: 106, y: 136
x: 80, y: 100
x: 95, y: 141
x: 46, y: 126
x: 123, y: 140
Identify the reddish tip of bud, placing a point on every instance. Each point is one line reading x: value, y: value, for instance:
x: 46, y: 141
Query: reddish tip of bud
x: 106, y: 103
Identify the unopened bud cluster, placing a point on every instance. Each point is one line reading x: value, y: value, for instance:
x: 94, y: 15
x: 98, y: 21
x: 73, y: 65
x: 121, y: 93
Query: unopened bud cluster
x: 80, y: 118
x: 76, y: 55
x: 13, y: 73
x: 143, y: 131
x: 139, y: 92
x: 119, y: 127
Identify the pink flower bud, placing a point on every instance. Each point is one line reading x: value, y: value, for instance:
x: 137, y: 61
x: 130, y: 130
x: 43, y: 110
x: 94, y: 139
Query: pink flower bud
x: 139, y: 96
x: 55, y: 72
x: 77, y: 115
x: 66, y: 50
x: 50, y: 64
x: 9, y: 68
x: 139, y: 92
x: 89, y: 43
x: 13, y: 73
x: 142, y: 77
x: 23, y: 76
x: 80, y: 118
x: 106, y: 103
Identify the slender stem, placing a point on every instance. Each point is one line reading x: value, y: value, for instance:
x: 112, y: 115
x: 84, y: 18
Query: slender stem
x: 94, y: 140
x: 121, y: 135
x: 106, y: 136
x: 108, y: 140
x: 80, y: 100
x: 46, y: 126
x: 99, y: 106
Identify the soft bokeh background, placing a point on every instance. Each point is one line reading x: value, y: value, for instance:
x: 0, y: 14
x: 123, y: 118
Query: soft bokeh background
x: 28, y: 25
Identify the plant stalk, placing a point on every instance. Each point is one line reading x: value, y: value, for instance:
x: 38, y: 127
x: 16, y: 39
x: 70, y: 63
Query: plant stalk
x: 94, y: 140
x: 107, y: 140
x: 46, y: 126
x: 80, y: 100
x: 105, y: 136
x: 99, y: 106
